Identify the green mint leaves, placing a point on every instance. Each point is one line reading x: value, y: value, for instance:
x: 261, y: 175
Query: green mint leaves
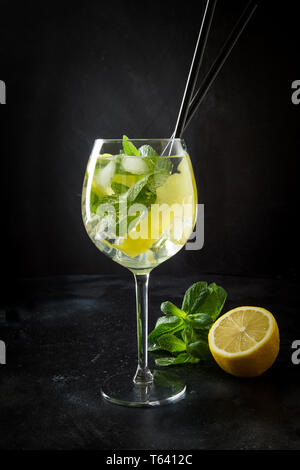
x: 147, y: 151
x: 156, y: 163
x: 204, y: 298
x: 119, y: 188
x: 168, y: 324
x: 150, y: 171
x: 129, y: 148
x: 183, y: 332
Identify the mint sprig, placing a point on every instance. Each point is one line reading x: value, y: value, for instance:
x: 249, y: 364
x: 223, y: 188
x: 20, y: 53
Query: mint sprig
x: 182, y: 332
x: 150, y: 171
x: 155, y: 162
x: 129, y: 148
x: 153, y: 172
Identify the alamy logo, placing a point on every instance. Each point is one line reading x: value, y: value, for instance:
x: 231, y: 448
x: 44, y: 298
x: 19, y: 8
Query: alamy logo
x: 2, y: 92
x: 296, y: 354
x: 2, y: 352
x: 165, y: 222
x: 196, y: 240
x: 296, y: 94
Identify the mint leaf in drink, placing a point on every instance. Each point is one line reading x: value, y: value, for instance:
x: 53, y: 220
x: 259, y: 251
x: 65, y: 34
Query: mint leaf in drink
x: 119, y: 188
x: 147, y: 151
x: 137, y: 188
x: 147, y: 171
x: 156, y: 162
x: 129, y: 148
x: 157, y: 179
x: 99, y: 203
x: 145, y: 198
x: 160, y: 164
x: 138, y: 193
x: 113, y: 199
x: 164, y: 164
x: 94, y: 200
x: 101, y: 163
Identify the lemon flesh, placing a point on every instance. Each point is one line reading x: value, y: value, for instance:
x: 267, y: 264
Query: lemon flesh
x: 179, y: 188
x: 245, y: 341
x: 139, y: 239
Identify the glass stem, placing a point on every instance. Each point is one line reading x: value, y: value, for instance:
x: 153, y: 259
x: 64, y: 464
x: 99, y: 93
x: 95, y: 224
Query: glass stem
x: 143, y: 375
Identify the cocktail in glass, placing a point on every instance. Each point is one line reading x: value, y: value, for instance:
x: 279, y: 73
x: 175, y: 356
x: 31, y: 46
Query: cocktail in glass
x: 139, y: 207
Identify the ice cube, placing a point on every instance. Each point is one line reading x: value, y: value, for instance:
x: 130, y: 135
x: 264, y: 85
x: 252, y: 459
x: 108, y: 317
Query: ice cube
x: 135, y: 165
x: 104, y: 175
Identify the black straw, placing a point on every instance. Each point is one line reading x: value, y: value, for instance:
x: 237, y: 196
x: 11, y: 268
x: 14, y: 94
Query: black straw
x: 220, y: 60
x: 195, y: 66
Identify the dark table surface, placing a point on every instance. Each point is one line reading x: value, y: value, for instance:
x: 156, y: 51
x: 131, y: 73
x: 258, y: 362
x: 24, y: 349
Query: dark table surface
x: 65, y: 335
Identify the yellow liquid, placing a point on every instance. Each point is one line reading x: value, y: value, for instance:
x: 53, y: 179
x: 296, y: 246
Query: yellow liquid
x: 165, y: 226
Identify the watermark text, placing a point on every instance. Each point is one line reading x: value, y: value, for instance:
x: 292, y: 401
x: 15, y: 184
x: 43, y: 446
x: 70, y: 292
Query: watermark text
x: 177, y: 223
x: 2, y: 92
x: 296, y: 354
x: 296, y: 93
x: 2, y: 352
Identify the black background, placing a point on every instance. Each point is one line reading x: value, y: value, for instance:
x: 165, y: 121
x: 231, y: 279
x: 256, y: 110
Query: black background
x: 76, y: 71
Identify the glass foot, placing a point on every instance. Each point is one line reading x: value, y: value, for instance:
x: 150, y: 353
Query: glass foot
x: 165, y: 388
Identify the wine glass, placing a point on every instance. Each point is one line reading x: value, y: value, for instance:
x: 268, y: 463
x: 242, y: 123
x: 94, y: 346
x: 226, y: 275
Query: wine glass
x: 139, y: 207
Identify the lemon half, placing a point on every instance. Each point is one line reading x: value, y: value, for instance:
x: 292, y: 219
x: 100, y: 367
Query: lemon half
x: 245, y: 341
